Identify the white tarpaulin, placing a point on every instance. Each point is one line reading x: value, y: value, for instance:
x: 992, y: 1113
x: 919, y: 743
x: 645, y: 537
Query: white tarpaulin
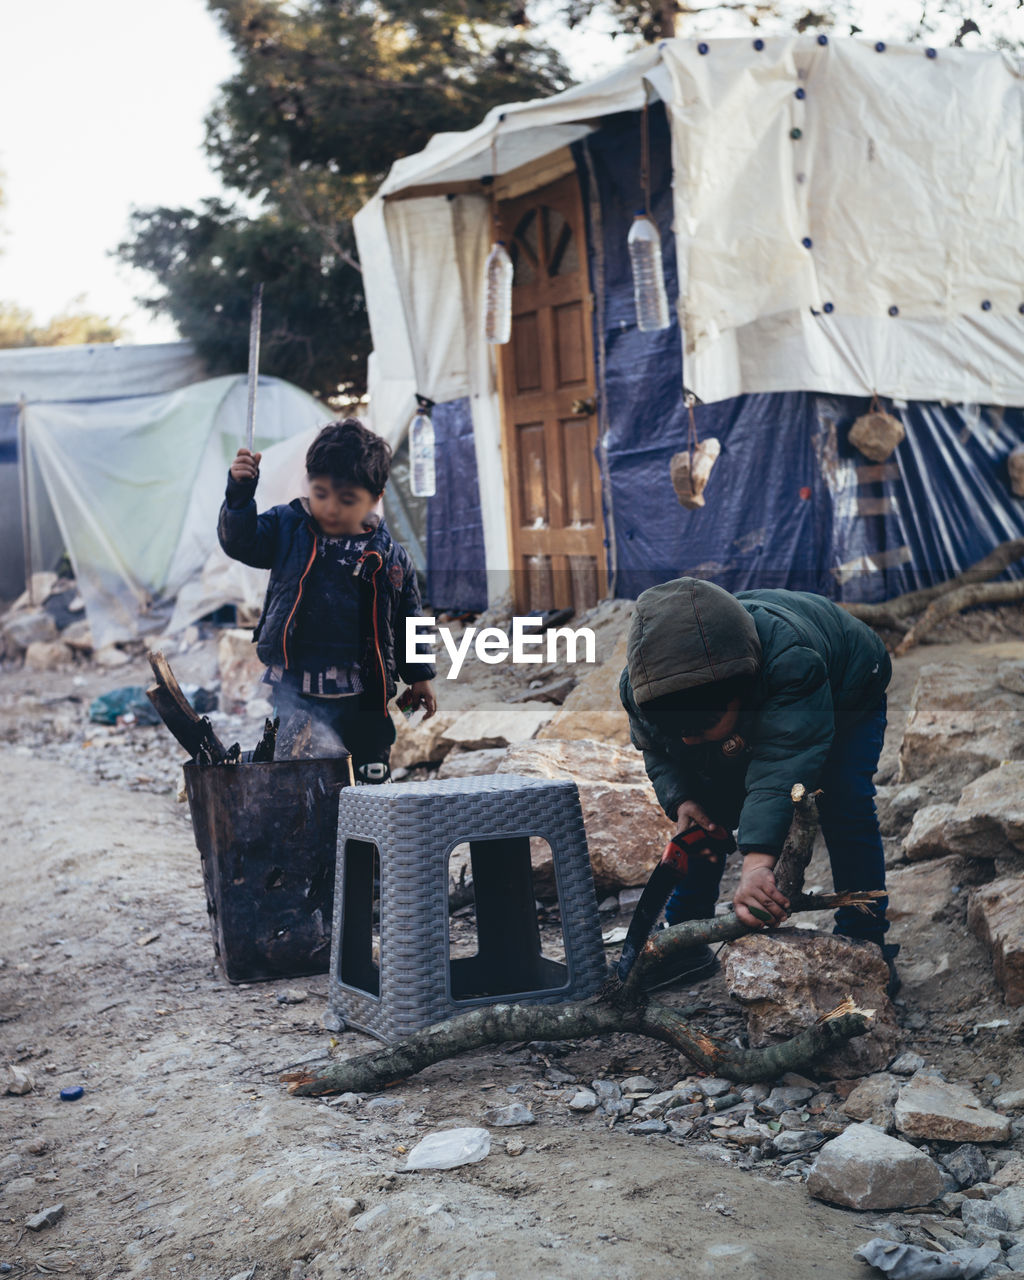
x: 133, y: 488
x: 849, y: 219
x: 96, y: 371
x: 904, y: 174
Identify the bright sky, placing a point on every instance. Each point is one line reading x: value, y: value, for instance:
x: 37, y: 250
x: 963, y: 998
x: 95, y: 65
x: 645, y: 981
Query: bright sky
x: 102, y: 104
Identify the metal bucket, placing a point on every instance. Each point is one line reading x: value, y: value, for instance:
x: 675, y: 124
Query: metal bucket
x: 267, y: 834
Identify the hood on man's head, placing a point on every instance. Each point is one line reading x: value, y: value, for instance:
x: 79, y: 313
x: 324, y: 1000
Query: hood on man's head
x: 687, y: 633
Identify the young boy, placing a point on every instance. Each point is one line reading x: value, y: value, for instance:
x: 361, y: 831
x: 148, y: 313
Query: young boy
x: 732, y: 700
x: 332, y: 631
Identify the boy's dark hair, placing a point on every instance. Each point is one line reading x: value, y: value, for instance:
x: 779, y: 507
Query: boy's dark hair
x: 349, y: 453
x: 689, y: 712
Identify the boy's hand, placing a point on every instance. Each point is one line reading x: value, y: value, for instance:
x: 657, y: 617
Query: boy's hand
x: 757, y: 895
x: 246, y: 465
x: 421, y: 694
x: 690, y: 814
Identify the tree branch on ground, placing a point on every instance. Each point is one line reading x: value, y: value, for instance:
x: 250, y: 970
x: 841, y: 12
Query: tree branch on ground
x: 895, y: 614
x: 620, y: 1006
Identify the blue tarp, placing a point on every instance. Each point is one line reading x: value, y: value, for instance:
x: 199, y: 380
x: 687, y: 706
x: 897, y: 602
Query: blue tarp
x: 790, y: 502
x: 456, y: 572
x: 8, y: 433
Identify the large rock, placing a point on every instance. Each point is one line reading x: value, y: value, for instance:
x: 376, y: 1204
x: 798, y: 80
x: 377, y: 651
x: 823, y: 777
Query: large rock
x: 866, y: 1169
x: 240, y: 670
x: 626, y: 828
x: 593, y: 709
x: 989, y: 820
x: 497, y: 724
x: 963, y: 721
x: 79, y: 636
x: 788, y: 978
x: 927, y: 835
x: 1015, y: 467
x: 470, y: 764
x: 996, y: 916
x: 923, y: 891
x: 928, y: 1107
x: 35, y: 626
x: 872, y: 1100
x: 47, y: 655
x: 423, y: 742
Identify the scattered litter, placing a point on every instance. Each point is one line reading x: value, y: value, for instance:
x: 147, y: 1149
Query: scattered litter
x: 991, y: 1026
x: 449, y: 1148
x: 909, y: 1262
x: 614, y: 936
x: 129, y: 705
x: 72, y: 1093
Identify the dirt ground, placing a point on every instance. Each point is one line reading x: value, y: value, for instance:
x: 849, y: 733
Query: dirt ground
x: 186, y: 1157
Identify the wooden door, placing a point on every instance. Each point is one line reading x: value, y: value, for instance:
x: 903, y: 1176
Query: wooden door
x: 546, y: 374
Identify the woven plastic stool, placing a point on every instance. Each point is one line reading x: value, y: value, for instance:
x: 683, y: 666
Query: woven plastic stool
x: 409, y: 831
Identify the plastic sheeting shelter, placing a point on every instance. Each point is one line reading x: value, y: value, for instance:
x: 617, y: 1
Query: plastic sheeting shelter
x: 838, y: 221
x: 130, y: 485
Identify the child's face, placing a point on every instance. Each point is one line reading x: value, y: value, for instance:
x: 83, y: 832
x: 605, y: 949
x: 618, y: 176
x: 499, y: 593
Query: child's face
x: 339, y: 509
x: 721, y: 729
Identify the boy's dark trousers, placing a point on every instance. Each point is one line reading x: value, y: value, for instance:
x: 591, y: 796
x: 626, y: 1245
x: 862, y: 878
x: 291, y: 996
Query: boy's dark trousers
x: 367, y: 734
x: 848, y: 823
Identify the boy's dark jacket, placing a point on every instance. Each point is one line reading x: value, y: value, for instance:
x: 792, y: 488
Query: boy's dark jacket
x: 813, y: 666
x: 283, y: 540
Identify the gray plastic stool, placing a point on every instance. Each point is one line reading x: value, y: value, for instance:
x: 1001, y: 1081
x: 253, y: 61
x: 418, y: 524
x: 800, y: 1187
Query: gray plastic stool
x: 412, y: 829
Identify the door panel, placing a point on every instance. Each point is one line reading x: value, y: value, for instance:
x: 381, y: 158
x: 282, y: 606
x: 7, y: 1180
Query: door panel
x: 546, y: 373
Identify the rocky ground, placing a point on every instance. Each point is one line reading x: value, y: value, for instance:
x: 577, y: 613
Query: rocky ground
x: 186, y: 1157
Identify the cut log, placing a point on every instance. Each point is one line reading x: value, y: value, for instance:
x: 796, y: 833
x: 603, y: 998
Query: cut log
x: 893, y: 614
x: 954, y: 602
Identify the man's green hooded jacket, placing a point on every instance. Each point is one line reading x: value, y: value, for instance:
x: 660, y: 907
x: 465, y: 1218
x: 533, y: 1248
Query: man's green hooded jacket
x: 813, y: 667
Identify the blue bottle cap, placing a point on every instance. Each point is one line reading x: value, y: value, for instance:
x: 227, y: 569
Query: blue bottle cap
x: 1021, y: 308
x: 828, y: 308
x: 796, y: 133
x: 807, y: 242
x: 931, y: 53
x: 822, y: 39
x: 801, y: 94
x: 880, y: 46
x: 894, y: 311
x: 702, y: 48
x: 759, y: 45
x: 986, y: 305
x: 72, y: 1093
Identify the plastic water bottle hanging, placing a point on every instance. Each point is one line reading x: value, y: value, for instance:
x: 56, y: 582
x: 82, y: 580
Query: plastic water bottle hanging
x: 648, y: 275
x: 498, y: 295
x: 423, y: 480
x: 645, y: 250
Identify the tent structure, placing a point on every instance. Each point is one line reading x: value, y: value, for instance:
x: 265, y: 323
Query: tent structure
x: 117, y: 455
x: 839, y: 220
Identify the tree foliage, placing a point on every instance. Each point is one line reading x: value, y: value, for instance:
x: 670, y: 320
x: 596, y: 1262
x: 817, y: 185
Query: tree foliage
x: 76, y: 325
x: 328, y: 94
x: 996, y: 23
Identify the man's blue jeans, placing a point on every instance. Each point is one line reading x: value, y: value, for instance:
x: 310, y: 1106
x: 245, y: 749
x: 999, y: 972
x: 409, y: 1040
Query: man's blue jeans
x: 848, y: 823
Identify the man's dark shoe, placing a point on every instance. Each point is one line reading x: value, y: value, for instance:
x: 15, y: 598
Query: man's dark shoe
x: 692, y: 964
x: 890, y: 950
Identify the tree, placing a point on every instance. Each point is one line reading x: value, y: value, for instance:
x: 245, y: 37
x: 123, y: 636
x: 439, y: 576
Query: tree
x: 329, y: 93
x: 931, y: 22
x: 18, y: 328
